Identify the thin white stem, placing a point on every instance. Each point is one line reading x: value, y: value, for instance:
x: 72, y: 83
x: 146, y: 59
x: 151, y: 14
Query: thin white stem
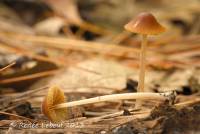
x: 142, y: 64
x: 141, y: 96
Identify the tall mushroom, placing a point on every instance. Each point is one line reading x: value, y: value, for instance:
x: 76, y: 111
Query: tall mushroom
x: 145, y: 24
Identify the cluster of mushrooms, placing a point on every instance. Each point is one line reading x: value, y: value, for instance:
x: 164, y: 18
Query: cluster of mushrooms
x: 54, y: 106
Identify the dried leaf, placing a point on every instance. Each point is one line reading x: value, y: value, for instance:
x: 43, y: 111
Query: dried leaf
x: 105, y: 77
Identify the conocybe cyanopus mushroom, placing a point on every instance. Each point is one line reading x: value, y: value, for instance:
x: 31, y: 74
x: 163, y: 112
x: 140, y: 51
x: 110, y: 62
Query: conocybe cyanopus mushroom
x: 54, y: 106
x: 144, y: 24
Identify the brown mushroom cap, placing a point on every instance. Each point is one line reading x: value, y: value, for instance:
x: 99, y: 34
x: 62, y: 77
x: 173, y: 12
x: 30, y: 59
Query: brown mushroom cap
x: 144, y: 23
x: 54, y: 96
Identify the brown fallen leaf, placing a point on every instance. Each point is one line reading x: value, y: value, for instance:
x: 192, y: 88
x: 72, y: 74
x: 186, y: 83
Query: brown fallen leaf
x: 106, y: 77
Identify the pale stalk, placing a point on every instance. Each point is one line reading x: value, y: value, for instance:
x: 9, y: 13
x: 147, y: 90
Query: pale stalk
x: 141, y: 81
x: 140, y: 96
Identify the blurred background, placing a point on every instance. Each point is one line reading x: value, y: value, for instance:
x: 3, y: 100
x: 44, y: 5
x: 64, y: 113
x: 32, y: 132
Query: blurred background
x: 41, y: 35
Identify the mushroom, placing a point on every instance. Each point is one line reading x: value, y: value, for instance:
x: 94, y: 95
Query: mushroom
x: 54, y: 96
x: 145, y: 24
x: 55, y: 108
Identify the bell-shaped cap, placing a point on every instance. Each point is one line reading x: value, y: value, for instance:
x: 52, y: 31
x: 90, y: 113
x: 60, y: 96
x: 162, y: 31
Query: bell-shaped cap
x: 54, y: 96
x: 144, y: 23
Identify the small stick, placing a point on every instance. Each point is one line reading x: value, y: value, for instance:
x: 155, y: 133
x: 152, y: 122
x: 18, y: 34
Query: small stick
x: 188, y: 103
x: 71, y: 44
x: 15, y: 115
x: 8, y: 66
x: 29, y: 77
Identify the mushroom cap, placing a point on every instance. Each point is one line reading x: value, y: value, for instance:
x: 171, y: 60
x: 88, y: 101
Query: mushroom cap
x: 144, y: 23
x: 54, y: 96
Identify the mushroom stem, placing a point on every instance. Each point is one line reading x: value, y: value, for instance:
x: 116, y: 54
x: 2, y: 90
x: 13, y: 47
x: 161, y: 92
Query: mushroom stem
x: 141, y: 96
x: 142, y: 64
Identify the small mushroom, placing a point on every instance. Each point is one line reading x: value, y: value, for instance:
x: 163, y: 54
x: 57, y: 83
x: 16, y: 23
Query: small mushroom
x: 145, y: 24
x: 55, y: 107
x: 54, y: 96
